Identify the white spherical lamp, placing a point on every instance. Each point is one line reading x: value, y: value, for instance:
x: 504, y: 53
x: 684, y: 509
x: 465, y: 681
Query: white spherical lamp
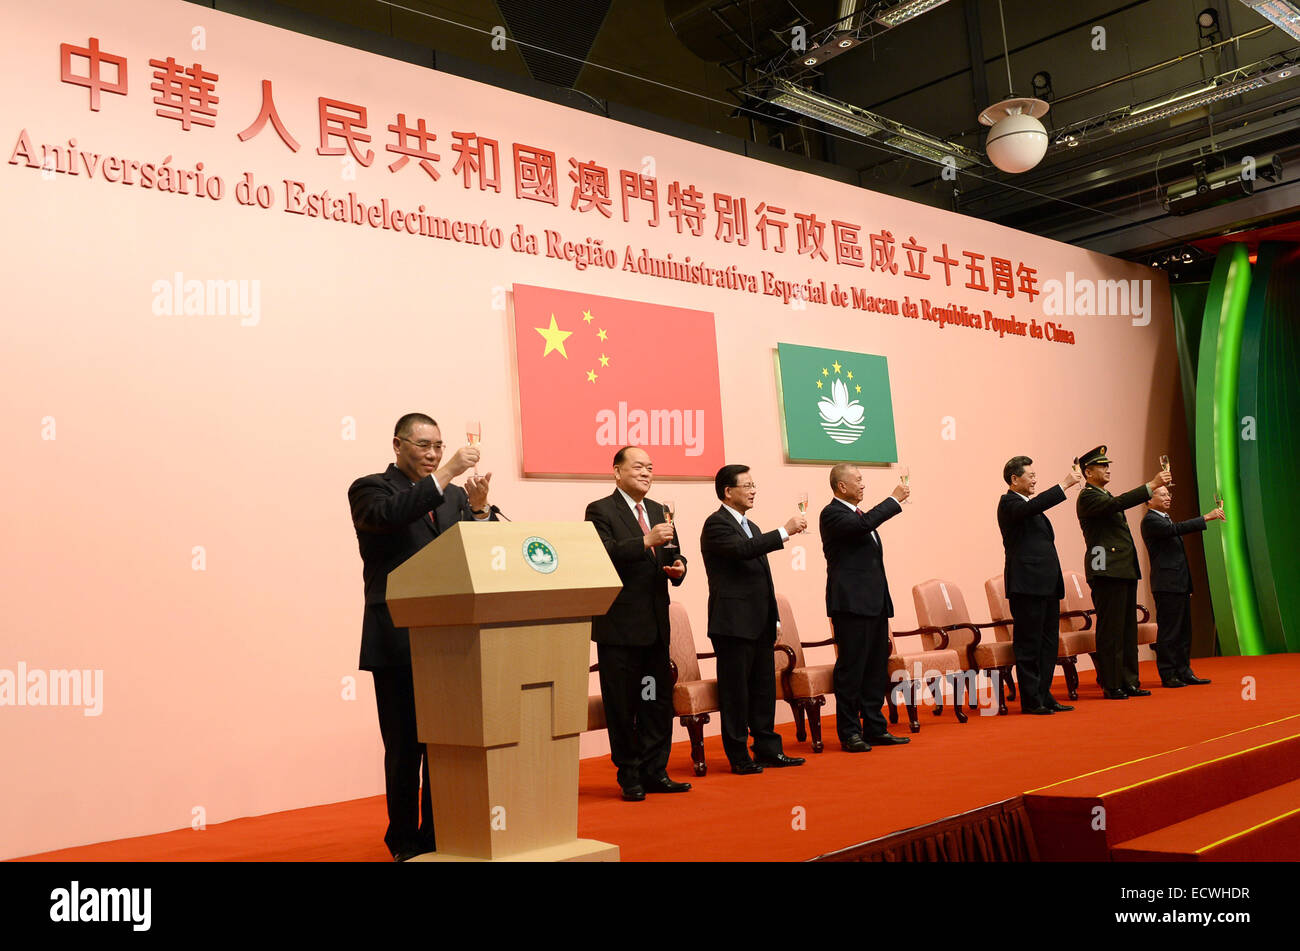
x: 1017, y: 141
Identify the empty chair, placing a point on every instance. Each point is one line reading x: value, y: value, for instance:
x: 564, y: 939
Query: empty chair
x: 908, y: 669
x: 941, y: 608
x: 799, y: 685
x: 694, y: 698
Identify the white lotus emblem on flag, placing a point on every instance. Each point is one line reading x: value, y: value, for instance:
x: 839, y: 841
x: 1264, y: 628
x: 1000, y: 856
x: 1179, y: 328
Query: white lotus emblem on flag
x: 841, y: 417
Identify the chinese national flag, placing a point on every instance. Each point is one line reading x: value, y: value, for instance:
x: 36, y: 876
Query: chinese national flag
x: 600, y: 373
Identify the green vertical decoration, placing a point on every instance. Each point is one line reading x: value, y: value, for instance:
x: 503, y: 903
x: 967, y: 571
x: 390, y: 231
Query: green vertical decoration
x: 1189, y: 314
x: 1236, y: 615
x: 1268, y: 396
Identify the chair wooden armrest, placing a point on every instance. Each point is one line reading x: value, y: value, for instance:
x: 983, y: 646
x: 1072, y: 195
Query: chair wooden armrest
x: 708, y: 655
x: 672, y: 665
x: 593, y: 668
x: 807, y: 644
x: 1146, y: 615
x: 788, y: 651
x: 929, y: 629
x: 1086, y: 615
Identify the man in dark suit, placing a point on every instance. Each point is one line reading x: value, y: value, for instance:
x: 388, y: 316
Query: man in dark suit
x: 632, y: 637
x: 1171, y: 585
x: 743, y: 621
x: 1032, y: 580
x: 1111, y: 567
x: 396, y: 513
x: 859, y: 606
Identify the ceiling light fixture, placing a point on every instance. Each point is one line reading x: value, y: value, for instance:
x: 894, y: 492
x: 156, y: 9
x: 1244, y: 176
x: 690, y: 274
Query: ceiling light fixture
x: 907, y: 10
x: 842, y: 115
x: 1017, y: 141
x: 936, y: 151
x: 1185, y: 103
x: 1281, y: 13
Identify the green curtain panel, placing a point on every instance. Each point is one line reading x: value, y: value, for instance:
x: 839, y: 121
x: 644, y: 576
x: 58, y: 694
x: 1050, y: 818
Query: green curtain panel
x: 1268, y: 404
x: 1218, y: 431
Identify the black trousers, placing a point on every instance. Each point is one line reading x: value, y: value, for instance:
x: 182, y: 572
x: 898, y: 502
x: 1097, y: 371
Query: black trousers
x: 1036, y: 636
x: 747, y: 697
x: 636, y: 687
x: 406, y: 764
x: 861, y: 675
x: 1117, y: 631
x: 1173, y: 633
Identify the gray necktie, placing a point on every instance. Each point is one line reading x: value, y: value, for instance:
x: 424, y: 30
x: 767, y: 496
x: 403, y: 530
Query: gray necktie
x: 744, y: 524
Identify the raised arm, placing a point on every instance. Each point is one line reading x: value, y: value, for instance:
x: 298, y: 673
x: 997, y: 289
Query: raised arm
x: 720, y: 538
x: 376, y: 510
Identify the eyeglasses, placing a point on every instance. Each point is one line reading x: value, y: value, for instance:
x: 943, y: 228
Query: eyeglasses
x: 423, y: 446
x: 746, y: 486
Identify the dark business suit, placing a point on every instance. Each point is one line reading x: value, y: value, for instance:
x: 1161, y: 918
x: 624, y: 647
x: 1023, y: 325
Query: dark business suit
x: 1171, y: 585
x: 391, y: 516
x: 1032, y: 579
x: 859, y: 606
x: 1111, y: 567
x: 632, y: 642
x: 742, y: 627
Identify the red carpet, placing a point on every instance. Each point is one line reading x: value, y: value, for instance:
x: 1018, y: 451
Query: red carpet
x: 835, y: 801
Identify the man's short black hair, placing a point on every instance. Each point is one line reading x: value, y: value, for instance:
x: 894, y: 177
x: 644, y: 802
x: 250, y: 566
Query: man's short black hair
x: 726, y: 479
x: 620, y: 457
x: 1015, y: 468
x: 405, y: 424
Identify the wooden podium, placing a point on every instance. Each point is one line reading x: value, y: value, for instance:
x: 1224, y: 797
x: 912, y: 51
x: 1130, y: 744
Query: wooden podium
x: 500, y: 618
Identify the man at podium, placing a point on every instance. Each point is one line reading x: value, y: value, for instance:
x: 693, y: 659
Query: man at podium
x: 396, y: 513
x: 632, y: 637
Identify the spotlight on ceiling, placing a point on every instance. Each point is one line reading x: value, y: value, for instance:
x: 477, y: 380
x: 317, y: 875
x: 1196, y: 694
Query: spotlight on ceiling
x: 1208, y: 18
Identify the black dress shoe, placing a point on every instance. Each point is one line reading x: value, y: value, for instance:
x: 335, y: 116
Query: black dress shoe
x: 1173, y: 682
x: 1057, y: 707
x: 780, y: 759
x: 888, y: 739
x: 1115, y: 694
x: 855, y: 744
x: 406, y: 855
x: 1038, y: 711
x: 1190, y: 678
x: 1138, y: 692
x: 633, y: 793
x: 745, y: 769
x: 664, y: 784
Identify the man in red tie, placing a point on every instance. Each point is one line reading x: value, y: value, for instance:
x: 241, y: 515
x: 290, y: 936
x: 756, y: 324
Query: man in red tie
x: 858, y: 604
x: 632, y: 637
x: 396, y: 513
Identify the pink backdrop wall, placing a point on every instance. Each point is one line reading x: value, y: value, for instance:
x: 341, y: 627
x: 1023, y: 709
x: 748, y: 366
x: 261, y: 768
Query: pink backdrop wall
x: 226, y: 691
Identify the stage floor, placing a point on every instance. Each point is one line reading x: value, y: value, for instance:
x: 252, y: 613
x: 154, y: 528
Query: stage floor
x: 835, y: 801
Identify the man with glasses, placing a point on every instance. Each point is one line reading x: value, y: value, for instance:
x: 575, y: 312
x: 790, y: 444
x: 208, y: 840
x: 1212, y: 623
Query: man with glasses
x: 632, y: 636
x: 396, y: 513
x: 743, y: 620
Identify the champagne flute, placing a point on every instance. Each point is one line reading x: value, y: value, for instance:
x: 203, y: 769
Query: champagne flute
x: 906, y: 477
x: 1164, y: 464
x: 473, y: 433
x: 803, y: 503
x: 1218, y: 500
x: 670, y: 509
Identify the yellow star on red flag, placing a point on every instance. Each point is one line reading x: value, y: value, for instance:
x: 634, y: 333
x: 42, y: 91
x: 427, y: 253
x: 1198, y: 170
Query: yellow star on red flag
x: 554, y: 338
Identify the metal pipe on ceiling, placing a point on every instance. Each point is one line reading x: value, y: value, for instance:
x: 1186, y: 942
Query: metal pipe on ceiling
x: 1169, y: 62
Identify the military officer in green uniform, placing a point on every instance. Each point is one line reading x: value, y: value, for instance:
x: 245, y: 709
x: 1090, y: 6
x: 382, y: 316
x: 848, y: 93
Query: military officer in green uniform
x: 1111, y: 567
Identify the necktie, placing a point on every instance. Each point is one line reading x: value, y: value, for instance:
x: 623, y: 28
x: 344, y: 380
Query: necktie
x: 744, y: 524
x: 640, y: 517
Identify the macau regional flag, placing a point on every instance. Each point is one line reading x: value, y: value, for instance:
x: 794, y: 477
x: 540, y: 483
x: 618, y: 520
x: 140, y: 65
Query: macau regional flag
x: 599, y: 373
x: 835, y: 405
